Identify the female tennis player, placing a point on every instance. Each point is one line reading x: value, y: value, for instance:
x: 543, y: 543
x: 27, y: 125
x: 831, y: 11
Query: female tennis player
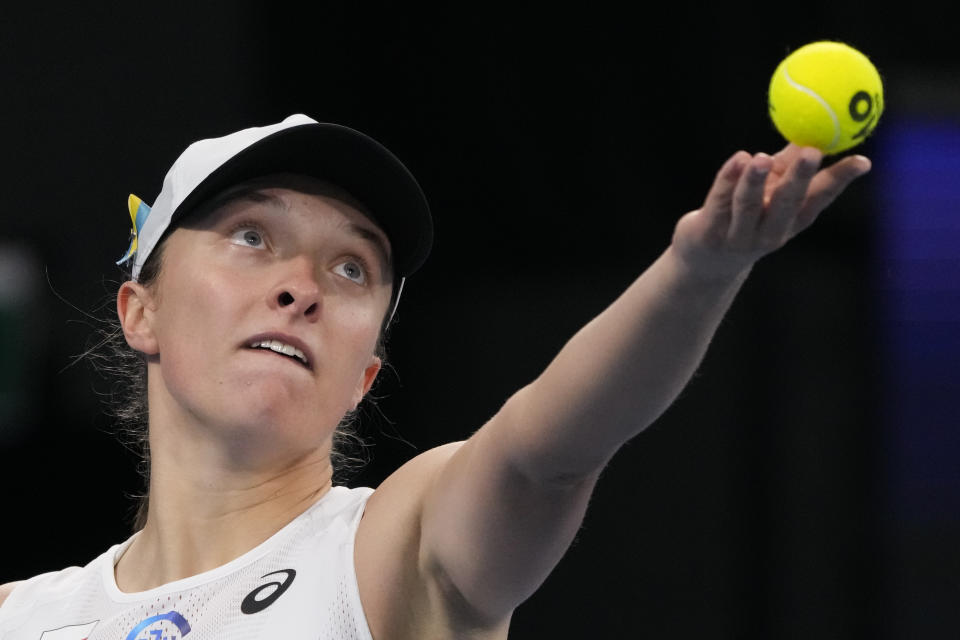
x: 262, y: 280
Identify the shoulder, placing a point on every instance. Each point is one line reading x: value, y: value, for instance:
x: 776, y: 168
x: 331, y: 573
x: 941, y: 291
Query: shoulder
x: 52, y: 586
x: 399, y: 499
x: 418, y: 472
x: 404, y: 491
x: 5, y: 590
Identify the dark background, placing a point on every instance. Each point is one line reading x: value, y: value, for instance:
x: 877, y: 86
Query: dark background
x: 558, y: 149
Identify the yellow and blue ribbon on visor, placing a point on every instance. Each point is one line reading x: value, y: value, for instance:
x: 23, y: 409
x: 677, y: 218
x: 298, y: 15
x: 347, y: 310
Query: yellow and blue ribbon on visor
x: 138, y: 215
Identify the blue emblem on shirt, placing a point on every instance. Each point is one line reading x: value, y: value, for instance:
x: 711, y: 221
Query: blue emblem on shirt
x: 166, y: 626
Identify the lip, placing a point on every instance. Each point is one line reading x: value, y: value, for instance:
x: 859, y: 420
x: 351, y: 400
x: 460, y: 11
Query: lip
x: 285, y: 338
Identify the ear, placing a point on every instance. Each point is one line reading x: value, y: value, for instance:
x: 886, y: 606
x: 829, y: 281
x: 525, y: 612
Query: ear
x: 366, y: 381
x: 134, y: 311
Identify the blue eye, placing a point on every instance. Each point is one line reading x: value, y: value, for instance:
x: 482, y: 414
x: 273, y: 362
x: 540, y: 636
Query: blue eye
x: 247, y: 236
x: 353, y: 270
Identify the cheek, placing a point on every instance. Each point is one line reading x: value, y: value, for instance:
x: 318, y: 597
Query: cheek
x: 357, y: 333
x: 362, y: 328
x: 193, y: 321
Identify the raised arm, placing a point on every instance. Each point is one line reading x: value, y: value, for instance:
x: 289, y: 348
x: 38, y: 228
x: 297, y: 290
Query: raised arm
x: 623, y: 369
x: 506, y: 506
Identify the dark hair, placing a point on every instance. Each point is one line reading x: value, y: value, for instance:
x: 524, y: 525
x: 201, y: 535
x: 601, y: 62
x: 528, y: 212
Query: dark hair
x: 127, y: 400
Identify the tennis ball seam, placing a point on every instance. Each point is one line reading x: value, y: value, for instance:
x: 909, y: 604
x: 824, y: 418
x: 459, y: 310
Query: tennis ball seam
x: 813, y: 94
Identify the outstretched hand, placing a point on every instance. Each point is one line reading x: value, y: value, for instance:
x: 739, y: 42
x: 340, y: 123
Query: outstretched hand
x: 758, y: 203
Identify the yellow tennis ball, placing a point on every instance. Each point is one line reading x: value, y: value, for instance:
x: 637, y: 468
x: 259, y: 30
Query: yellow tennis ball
x: 826, y: 95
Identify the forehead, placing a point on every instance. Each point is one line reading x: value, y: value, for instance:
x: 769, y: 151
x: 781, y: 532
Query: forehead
x: 288, y: 182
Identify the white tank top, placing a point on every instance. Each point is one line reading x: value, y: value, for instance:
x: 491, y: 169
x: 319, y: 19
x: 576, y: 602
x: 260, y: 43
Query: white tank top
x: 300, y: 583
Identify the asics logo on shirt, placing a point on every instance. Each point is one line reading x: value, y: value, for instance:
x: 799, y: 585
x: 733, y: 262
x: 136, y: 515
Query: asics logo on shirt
x: 254, y: 604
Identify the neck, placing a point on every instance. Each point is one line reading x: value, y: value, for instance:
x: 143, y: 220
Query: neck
x: 205, y: 511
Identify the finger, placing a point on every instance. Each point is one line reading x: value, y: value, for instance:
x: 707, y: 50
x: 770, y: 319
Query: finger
x: 781, y: 162
x: 785, y: 157
x: 714, y: 216
x: 721, y: 193
x: 827, y: 185
x: 748, y: 202
x: 788, y: 198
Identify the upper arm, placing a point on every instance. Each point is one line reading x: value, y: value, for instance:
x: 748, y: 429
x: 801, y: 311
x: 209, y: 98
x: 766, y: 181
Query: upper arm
x: 491, y: 532
x: 5, y: 590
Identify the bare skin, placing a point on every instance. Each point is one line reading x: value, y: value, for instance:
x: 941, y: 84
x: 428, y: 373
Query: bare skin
x: 457, y: 538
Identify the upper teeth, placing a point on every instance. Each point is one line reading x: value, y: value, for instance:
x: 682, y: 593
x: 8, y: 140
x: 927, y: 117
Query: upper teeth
x: 279, y: 347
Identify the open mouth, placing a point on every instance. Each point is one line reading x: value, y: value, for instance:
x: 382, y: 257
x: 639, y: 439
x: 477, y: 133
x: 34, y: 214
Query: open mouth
x: 283, y: 349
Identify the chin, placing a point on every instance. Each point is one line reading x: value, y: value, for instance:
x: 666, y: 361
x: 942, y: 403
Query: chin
x: 270, y: 413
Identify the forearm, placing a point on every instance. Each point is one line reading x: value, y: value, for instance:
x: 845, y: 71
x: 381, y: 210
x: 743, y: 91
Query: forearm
x: 620, y: 371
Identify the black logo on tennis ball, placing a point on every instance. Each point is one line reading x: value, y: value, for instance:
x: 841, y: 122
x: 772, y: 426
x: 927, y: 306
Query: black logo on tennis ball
x: 862, y: 109
x: 860, y: 106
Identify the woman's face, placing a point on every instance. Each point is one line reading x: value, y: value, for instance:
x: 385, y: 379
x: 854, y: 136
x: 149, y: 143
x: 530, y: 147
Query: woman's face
x: 276, y: 269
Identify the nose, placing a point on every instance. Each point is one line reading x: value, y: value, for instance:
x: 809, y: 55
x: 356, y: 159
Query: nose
x: 297, y: 294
